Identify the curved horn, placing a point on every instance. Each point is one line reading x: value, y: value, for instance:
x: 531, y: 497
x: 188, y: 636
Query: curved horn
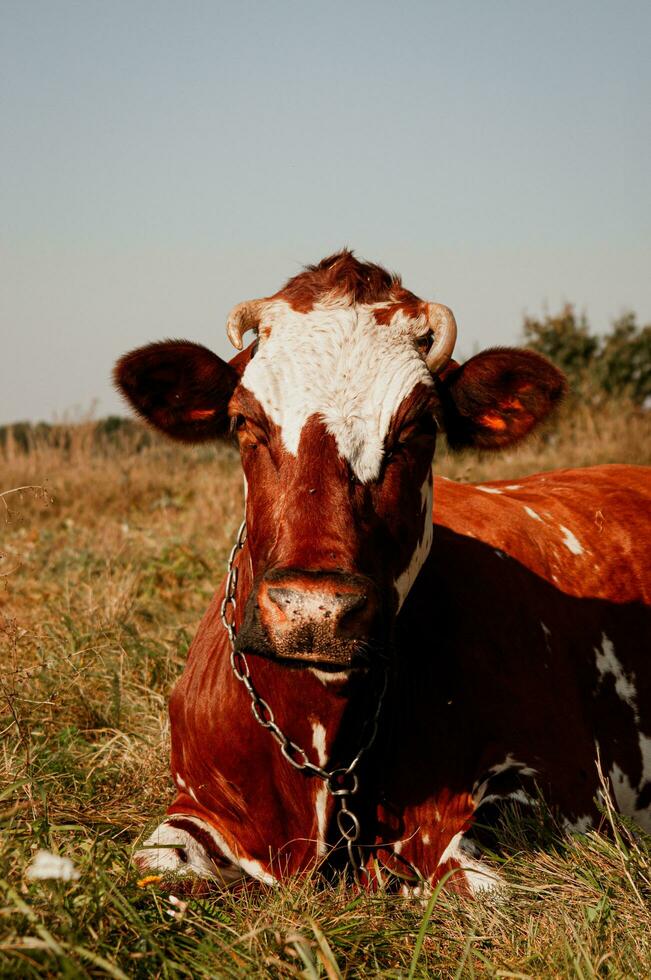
x: 444, y: 327
x: 243, y: 317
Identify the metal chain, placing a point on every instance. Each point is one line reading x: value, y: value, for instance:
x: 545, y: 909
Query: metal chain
x: 341, y: 783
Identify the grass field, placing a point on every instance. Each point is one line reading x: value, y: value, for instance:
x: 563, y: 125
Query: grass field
x: 106, y: 565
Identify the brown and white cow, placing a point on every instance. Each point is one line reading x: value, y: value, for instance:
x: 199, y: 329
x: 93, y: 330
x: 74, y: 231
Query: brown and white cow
x: 499, y: 648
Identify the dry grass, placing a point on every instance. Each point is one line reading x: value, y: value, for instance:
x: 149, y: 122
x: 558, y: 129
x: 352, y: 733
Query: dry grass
x: 103, y: 576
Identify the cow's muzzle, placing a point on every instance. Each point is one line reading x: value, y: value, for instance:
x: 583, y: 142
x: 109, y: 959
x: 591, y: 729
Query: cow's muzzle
x: 329, y: 618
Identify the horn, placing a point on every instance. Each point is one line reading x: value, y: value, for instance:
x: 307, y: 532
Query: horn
x: 444, y: 327
x: 243, y: 317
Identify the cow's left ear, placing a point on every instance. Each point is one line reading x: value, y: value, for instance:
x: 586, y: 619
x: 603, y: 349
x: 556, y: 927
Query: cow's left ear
x: 180, y: 387
x: 497, y: 397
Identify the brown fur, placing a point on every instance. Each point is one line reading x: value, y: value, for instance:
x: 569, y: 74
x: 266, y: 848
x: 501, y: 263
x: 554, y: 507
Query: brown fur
x: 344, y: 275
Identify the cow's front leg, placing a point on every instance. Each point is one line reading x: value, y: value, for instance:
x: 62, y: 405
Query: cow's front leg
x: 467, y: 872
x: 185, y: 845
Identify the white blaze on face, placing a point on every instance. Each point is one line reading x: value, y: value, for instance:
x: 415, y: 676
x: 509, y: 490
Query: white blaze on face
x: 337, y: 363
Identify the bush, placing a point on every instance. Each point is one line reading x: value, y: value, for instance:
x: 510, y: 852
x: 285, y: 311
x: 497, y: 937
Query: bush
x: 616, y: 364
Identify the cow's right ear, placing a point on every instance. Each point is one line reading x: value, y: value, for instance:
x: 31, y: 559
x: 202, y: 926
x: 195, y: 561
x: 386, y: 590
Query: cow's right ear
x: 180, y: 387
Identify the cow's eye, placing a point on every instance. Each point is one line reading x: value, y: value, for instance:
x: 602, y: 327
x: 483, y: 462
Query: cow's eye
x: 248, y: 432
x: 238, y: 424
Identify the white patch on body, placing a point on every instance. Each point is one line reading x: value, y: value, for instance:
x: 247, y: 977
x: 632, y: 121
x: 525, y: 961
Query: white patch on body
x: 570, y: 541
x: 514, y: 486
x: 479, y: 876
x: 321, y: 796
x: 255, y: 869
x: 407, y: 578
x: 533, y: 514
x: 645, y: 751
x: 489, y: 490
x: 479, y: 789
x: 319, y: 742
x: 606, y: 662
x: 336, y: 363
x: 581, y: 825
x: 180, y: 781
x: 160, y: 853
x: 626, y: 794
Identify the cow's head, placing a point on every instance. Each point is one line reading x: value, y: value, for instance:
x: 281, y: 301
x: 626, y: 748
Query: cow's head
x: 336, y: 407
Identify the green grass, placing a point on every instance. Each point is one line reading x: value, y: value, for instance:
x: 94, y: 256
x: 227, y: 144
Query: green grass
x: 102, y: 583
x: 574, y: 907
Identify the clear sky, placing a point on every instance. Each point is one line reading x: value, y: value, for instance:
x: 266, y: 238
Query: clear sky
x: 161, y: 161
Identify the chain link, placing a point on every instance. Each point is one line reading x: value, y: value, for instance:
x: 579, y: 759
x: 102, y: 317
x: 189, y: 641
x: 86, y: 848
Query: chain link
x: 341, y: 783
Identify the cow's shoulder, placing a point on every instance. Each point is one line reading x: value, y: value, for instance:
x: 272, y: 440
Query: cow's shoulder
x: 581, y: 530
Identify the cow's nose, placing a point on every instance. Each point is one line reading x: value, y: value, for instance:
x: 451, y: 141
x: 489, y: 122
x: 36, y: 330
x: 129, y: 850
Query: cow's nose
x: 343, y: 605
x: 338, y: 607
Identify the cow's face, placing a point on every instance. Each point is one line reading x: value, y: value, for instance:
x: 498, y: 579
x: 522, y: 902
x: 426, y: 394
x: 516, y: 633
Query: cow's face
x: 336, y: 410
x: 335, y: 420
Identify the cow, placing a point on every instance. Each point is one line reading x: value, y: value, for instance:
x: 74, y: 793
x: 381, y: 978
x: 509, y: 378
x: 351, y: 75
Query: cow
x: 391, y: 654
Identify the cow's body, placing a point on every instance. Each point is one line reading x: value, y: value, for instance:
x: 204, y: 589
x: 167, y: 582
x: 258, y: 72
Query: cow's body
x: 512, y: 642
x: 522, y: 650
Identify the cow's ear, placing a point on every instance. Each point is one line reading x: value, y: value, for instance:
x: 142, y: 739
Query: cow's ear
x: 497, y: 397
x: 180, y: 387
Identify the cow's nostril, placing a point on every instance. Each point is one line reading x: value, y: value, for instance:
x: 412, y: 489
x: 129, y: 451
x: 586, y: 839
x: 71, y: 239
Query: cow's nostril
x: 350, y: 602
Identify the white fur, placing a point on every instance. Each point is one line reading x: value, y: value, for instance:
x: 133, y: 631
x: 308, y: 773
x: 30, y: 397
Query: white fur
x: 321, y: 797
x: 607, y: 662
x: 570, y: 541
x: 532, y: 514
x: 158, y: 853
x: 479, y: 876
x: 319, y: 742
x: 581, y: 825
x: 407, y: 578
x: 479, y: 794
x: 338, y: 364
x: 626, y: 794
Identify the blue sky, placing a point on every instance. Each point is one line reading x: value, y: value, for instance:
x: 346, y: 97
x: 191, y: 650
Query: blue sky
x: 162, y: 161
